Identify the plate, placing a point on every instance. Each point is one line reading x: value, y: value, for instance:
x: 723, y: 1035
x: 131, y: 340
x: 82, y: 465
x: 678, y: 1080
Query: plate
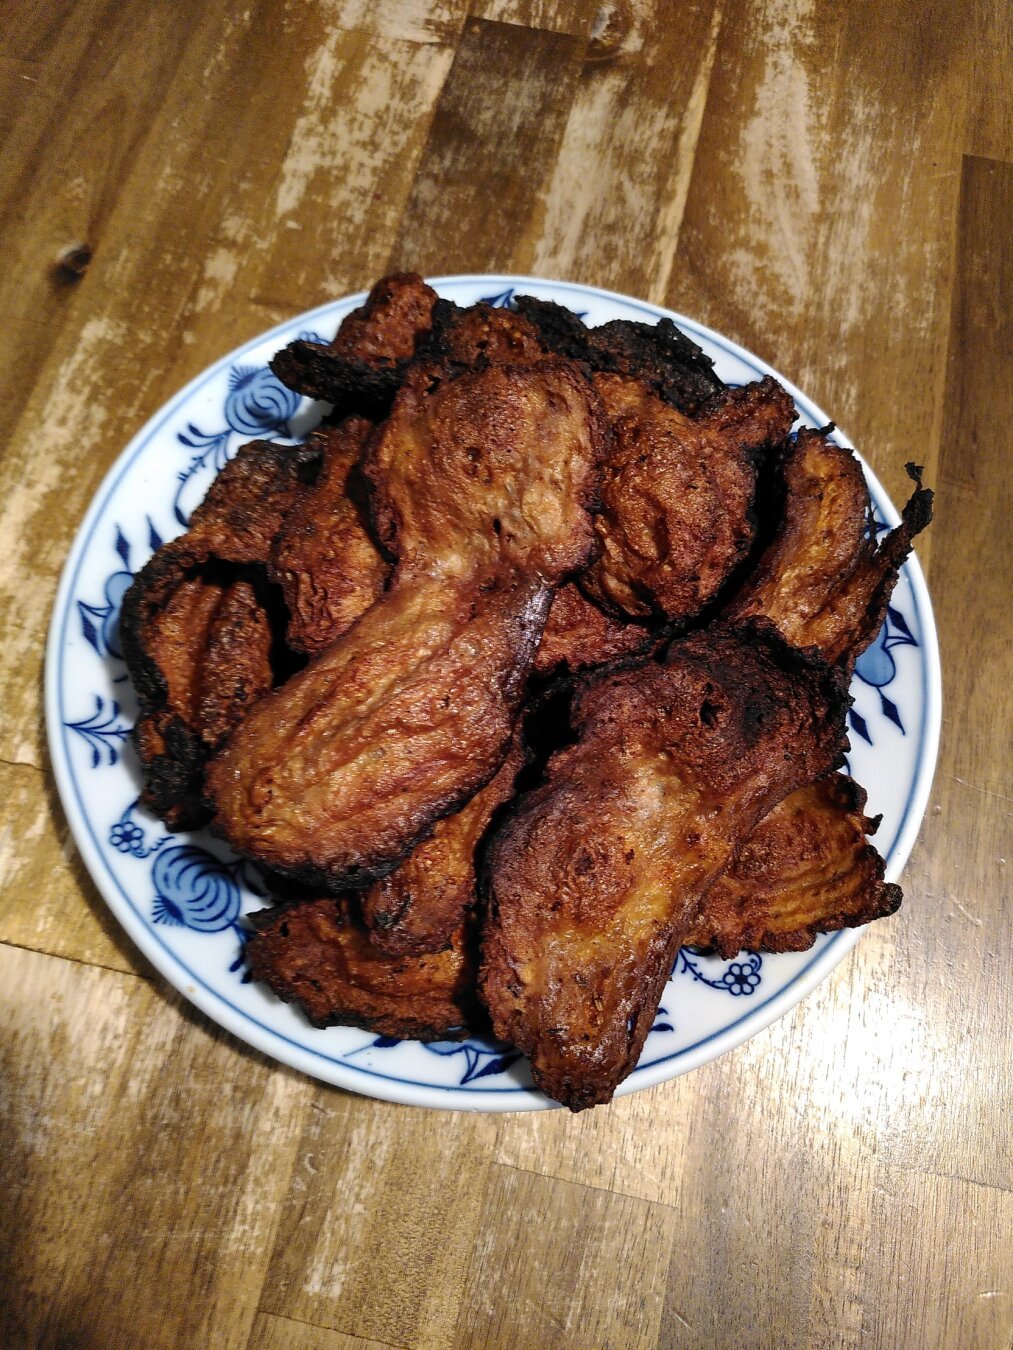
x: 182, y: 897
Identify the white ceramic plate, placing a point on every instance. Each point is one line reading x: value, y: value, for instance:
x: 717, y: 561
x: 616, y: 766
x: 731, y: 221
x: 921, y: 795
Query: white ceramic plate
x: 181, y: 897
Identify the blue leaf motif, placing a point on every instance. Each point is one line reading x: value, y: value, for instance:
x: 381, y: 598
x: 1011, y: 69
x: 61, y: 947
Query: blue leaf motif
x: 890, y: 709
x: 87, y: 627
x: 154, y: 538
x: 385, y: 1042
x: 494, y: 1066
x: 897, y: 619
x: 502, y: 300
x: 101, y: 732
x: 122, y: 547
x: 859, y: 724
x: 481, y: 1059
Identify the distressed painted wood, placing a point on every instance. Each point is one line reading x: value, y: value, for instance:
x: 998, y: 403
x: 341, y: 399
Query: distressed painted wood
x: 830, y: 184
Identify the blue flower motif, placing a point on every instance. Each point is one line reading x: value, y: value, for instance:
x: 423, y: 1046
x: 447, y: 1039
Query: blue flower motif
x: 195, y: 889
x: 258, y: 401
x: 740, y: 979
x: 126, y: 836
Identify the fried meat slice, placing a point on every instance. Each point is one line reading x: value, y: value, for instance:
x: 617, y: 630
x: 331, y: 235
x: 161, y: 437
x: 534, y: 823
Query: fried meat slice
x: 481, y: 489
x: 823, y: 580
x: 196, y: 634
x: 677, y: 495
x: 360, y: 369
x: 579, y: 635
x: 596, y: 879
x: 807, y: 868
x: 420, y: 906
x: 317, y: 953
x: 323, y: 557
x: 660, y: 354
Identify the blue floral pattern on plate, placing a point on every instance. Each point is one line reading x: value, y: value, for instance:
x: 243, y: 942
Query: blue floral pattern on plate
x: 183, y: 898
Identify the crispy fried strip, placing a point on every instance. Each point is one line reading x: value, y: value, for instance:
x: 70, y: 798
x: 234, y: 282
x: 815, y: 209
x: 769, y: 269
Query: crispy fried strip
x: 197, y: 645
x: 482, y: 484
x: 823, y: 580
x: 361, y: 368
x: 324, y: 558
x: 595, y: 880
x: 317, y: 953
x: 806, y: 869
x: 677, y: 495
x: 579, y: 635
x: 421, y: 906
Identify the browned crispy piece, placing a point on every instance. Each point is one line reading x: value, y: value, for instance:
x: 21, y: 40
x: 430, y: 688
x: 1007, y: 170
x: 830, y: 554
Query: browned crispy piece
x: 579, y: 635
x: 660, y: 355
x: 196, y: 635
x: 317, y: 953
x: 236, y: 669
x: 420, y: 906
x: 361, y: 368
x: 482, y: 333
x: 481, y: 486
x: 211, y: 646
x: 807, y: 868
x: 823, y: 580
x: 324, y: 558
x: 597, y: 877
x: 677, y: 495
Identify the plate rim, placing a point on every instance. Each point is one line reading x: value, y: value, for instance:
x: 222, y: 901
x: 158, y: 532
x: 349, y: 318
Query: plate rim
x: 359, y: 1079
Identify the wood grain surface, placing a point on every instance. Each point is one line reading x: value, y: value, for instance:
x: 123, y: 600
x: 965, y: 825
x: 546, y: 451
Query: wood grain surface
x: 831, y: 185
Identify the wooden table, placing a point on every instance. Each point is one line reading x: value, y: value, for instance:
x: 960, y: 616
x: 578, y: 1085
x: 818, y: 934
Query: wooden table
x: 829, y: 184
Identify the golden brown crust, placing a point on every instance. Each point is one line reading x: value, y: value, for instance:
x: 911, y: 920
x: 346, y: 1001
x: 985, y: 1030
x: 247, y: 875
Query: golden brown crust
x: 578, y: 635
x: 494, y: 467
x: 807, y: 868
x: 677, y: 495
x: 236, y: 666
x: 196, y: 636
x: 597, y: 876
x: 361, y: 368
x: 317, y: 953
x: 823, y: 580
x: 336, y: 776
x: 420, y: 906
x: 324, y: 558
x: 481, y: 486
